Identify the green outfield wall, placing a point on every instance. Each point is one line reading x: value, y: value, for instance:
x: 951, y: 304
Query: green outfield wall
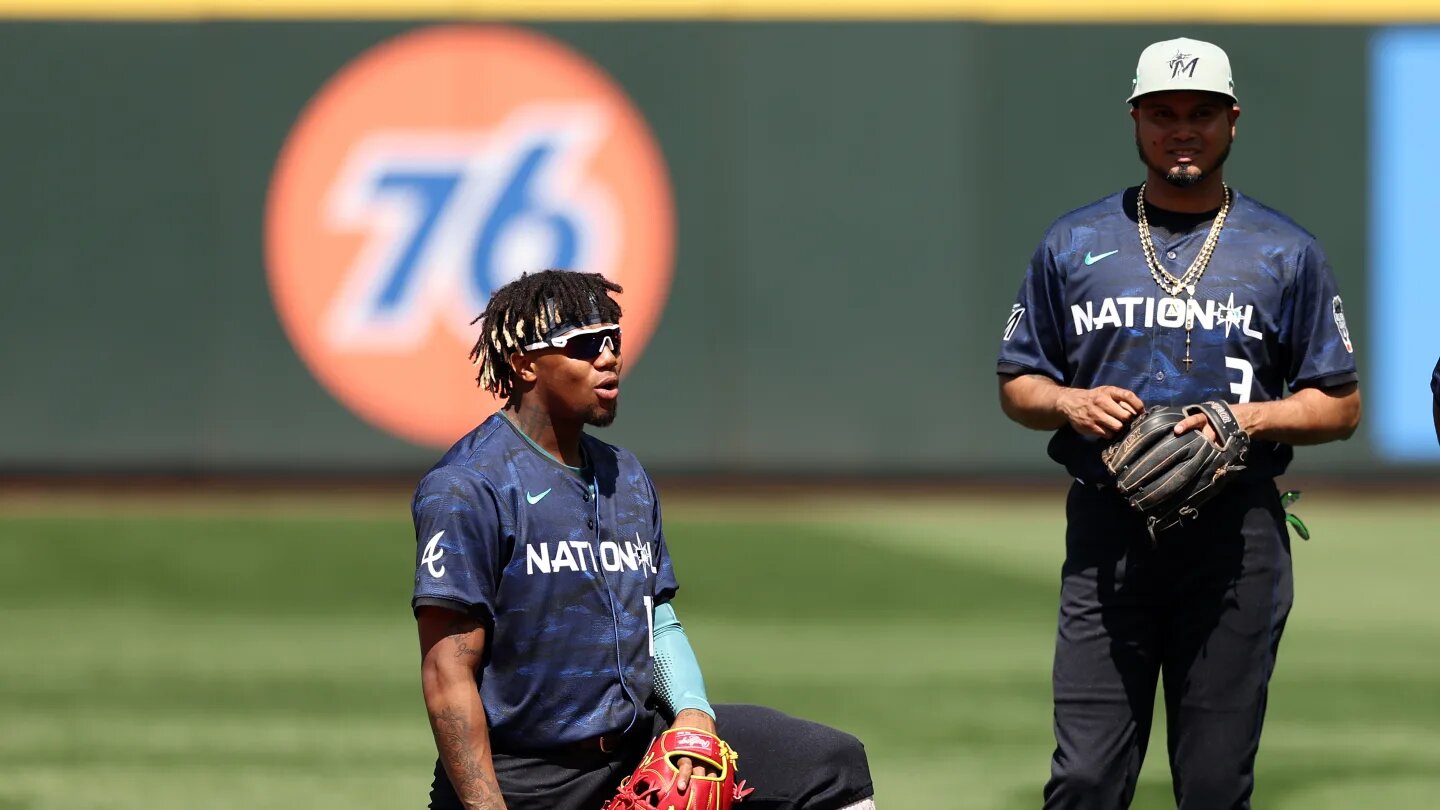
x: 854, y: 206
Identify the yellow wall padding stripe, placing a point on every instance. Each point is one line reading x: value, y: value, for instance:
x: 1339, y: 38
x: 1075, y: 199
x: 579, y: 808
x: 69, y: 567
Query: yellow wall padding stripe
x: 1010, y: 11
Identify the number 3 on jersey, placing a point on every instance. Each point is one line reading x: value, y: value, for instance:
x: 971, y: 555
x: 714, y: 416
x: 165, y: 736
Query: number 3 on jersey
x: 1241, y: 389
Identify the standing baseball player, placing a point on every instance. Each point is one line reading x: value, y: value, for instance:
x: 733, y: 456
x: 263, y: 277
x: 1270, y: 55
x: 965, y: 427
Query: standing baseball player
x: 551, y: 653
x: 1176, y: 292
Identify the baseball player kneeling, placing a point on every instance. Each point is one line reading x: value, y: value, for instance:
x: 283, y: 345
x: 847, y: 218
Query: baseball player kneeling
x: 551, y: 653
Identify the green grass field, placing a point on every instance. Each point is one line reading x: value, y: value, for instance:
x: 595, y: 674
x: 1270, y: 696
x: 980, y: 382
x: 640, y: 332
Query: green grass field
x: 246, y: 653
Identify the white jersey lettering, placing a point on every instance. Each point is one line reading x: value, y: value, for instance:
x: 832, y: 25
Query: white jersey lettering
x: 1131, y: 312
x: 537, y: 556
x: 564, y: 558
x: 581, y: 556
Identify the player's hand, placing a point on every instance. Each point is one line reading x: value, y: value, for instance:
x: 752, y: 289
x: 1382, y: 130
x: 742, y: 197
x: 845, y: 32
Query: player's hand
x: 1199, y: 421
x: 1099, y: 411
x: 691, y: 718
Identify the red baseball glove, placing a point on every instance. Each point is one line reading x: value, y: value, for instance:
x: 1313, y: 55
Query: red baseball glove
x: 652, y: 785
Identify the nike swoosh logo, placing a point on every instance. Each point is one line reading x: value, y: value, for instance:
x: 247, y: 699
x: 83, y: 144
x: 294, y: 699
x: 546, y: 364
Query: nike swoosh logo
x: 534, y: 499
x: 1089, y: 260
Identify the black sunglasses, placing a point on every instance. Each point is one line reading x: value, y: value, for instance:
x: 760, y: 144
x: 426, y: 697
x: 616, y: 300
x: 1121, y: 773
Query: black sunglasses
x: 583, y: 344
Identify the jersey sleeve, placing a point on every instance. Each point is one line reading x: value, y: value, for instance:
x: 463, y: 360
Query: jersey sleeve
x: 1435, y: 383
x: 1321, y: 354
x: 665, y: 583
x: 458, y: 539
x: 1033, y: 342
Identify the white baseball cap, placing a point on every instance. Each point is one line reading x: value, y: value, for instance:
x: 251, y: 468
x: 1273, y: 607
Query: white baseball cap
x: 1183, y: 64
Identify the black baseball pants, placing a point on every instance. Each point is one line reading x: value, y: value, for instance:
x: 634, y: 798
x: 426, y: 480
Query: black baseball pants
x: 1201, y: 610
x: 792, y: 764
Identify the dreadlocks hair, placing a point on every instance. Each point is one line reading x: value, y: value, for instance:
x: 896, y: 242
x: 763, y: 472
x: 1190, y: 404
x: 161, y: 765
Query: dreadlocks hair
x: 526, y: 309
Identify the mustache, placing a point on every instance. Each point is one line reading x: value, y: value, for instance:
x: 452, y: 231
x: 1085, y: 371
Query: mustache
x: 1178, y: 175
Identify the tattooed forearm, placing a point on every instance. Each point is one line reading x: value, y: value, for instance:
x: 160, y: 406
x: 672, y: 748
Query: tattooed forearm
x: 474, y: 783
x: 452, y: 649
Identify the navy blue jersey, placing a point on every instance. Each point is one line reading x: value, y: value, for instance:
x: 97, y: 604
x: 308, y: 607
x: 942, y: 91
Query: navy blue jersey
x: 569, y: 566
x: 1435, y: 383
x: 1267, y: 318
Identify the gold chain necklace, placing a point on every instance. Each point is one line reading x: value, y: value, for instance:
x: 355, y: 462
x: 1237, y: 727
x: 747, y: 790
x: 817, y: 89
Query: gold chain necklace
x: 1171, y: 285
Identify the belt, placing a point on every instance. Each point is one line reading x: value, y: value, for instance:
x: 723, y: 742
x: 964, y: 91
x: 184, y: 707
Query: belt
x: 604, y: 744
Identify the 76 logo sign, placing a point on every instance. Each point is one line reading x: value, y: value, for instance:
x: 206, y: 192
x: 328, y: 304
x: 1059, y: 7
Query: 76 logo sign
x: 450, y: 216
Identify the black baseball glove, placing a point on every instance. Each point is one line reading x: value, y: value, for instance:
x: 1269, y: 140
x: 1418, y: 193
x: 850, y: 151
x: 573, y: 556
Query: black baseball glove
x: 1167, y: 477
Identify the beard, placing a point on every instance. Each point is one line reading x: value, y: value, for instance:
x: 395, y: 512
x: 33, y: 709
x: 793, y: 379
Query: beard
x: 1182, y: 176
x: 602, y: 416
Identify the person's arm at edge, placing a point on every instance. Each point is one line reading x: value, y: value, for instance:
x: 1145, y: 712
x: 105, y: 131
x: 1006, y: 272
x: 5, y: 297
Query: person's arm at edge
x: 451, y: 649
x: 1435, y: 392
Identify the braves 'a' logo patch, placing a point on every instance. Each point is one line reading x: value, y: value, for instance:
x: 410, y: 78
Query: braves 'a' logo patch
x: 433, y: 554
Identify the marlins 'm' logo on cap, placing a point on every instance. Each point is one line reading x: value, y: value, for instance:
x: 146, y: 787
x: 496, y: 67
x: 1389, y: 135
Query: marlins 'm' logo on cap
x: 1183, y: 64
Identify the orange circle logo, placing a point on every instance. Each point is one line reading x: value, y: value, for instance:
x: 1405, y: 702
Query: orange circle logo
x: 427, y: 173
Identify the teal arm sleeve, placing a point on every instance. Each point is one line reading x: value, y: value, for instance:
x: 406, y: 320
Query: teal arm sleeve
x: 678, y: 683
